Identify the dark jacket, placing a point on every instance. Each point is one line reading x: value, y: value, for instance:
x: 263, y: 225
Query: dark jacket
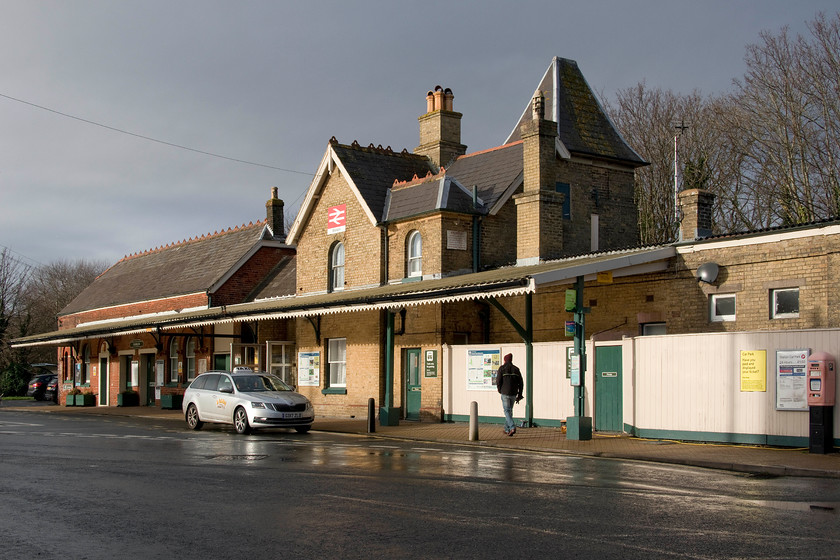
x: 509, y: 380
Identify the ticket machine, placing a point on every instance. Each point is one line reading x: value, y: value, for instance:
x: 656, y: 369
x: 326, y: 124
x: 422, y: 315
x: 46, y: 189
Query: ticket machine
x: 821, y: 388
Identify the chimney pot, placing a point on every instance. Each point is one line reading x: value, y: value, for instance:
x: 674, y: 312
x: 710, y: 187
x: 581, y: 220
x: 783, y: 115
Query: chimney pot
x: 438, y: 98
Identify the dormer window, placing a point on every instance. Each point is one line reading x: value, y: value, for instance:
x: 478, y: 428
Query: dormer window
x: 414, y: 257
x: 336, y: 276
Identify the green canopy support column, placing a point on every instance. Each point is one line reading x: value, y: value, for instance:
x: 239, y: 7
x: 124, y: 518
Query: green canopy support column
x: 579, y: 426
x: 388, y: 415
x: 527, y: 334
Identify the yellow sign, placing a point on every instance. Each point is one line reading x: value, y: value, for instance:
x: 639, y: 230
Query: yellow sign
x: 605, y: 277
x: 753, y: 371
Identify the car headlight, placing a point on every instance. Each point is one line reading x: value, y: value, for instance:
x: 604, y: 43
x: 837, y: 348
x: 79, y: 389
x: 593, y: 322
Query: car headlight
x: 257, y: 405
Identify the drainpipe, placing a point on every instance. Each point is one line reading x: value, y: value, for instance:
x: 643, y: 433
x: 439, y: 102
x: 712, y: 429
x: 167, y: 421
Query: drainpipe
x: 476, y: 238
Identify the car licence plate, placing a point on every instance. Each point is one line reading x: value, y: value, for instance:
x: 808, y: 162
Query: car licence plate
x: 290, y: 415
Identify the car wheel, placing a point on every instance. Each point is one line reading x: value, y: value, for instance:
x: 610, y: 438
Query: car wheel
x: 192, y: 418
x: 302, y: 429
x: 240, y: 421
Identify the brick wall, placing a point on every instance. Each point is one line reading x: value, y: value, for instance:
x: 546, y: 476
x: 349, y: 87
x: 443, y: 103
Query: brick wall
x: 132, y: 309
x: 248, y: 276
x: 362, y: 242
x: 364, y: 335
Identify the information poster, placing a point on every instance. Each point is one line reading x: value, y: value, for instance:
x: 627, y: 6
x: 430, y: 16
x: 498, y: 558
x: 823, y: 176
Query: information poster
x: 753, y: 371
x: 309, y: 369
x: 482, y: 366
x: 791, y: 391
x: 431, y: 363
x: 135, y: 373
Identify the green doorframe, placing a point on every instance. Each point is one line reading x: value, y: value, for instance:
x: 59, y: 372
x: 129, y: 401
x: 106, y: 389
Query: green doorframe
x: 527, y: 334
x: 388, y: 415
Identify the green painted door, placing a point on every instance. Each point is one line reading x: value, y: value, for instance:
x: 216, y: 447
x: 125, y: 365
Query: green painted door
x: 412, y: 384
x: 608, y: 402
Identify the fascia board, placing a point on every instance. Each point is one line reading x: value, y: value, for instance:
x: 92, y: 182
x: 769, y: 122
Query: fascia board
x: 315, y: 186
x: 621, y: 263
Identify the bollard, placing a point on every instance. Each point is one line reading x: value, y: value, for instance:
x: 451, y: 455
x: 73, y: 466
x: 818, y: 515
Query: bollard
x: 371, y: 417
x: 473, y: 421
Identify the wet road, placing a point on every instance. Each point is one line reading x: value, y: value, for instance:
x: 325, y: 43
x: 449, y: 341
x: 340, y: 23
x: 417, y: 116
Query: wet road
x: 74, y: 487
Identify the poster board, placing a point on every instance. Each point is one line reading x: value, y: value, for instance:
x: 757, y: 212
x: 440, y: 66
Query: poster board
x: 309, y: 369
x: 482, y: 366
x: 791, y: 389
x: 753, y: 371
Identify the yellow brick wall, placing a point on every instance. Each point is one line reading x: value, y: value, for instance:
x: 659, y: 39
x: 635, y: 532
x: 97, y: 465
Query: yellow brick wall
x: 362, y: 241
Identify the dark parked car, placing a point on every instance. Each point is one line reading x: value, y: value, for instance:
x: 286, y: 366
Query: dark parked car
x: 51, y: 393
x: 38, y: 385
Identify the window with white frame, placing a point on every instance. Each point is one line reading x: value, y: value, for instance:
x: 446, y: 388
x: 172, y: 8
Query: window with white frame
x: 336, y: 276
x: 337, y: 362
x: 414, y: 255
x: 173, y: 360
x: 722, y: 307
x: 190, y: 355
x: 784, y: 303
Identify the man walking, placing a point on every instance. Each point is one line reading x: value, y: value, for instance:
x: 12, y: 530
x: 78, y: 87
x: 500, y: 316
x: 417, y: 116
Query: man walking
x: 509, y: 383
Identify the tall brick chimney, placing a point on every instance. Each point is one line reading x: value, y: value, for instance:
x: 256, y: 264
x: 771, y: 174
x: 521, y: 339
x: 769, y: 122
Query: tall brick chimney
x: 696, y: 206
x: 274, y: 215
x: 440, y: 129
x: 539, y: 209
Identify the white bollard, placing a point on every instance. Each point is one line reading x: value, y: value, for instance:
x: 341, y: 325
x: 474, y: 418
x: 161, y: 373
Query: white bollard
x: 473, y: 421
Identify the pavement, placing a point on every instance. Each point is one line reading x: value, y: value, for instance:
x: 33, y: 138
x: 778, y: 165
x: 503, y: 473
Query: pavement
x: 755, y: 460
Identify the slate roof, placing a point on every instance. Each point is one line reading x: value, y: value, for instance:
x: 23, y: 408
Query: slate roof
x: 281, y: 281
x: 493, y: 171
x: 187, y: 267
x: 374, y: 170
x: 582, y: 124
x: 431, y: 193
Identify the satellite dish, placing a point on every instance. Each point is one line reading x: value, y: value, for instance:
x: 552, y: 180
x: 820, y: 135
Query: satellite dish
x: 707, y: 272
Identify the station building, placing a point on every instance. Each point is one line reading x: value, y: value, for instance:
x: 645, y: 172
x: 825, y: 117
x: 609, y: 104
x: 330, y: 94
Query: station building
x: 407, y: 275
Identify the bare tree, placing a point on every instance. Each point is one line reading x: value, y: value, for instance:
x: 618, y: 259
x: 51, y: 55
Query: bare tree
x: 13, y: 276
x: 785, y: 114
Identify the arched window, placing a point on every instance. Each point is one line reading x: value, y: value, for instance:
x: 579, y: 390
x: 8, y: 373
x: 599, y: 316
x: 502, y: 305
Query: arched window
x: 414, y: 256
x: 190, y: 355
x: 173, y: 360
x: 336, y: 277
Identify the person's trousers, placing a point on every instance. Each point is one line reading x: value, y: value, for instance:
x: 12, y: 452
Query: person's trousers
x: 507, y: 405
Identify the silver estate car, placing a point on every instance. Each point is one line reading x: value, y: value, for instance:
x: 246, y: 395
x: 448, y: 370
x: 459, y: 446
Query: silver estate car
x: 247, y: 400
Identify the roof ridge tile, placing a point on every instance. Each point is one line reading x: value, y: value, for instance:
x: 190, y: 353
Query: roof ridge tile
x: 204, y: 237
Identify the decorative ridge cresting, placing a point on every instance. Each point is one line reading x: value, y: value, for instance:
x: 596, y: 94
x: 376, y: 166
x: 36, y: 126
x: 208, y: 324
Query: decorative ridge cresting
x: 195, y: 239
x: 418, y: 180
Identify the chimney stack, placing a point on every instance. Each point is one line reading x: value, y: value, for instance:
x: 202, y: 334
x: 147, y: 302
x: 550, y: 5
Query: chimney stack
x: 274, y: 215
x: 440, y: 128
x: 696, y: 206
x: 539, y: 208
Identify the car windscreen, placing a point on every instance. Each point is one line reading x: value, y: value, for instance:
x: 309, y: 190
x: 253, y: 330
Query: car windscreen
x: 257, y: 383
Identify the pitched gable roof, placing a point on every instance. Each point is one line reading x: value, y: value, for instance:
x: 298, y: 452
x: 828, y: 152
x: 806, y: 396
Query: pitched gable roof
x: 187, y: 267
x: 496, y: 172
x: 429, y: 194
x: 369, y: 171
x: 582, y: 124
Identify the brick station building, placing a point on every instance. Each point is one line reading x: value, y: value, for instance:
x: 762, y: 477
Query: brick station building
x: 397, y: 261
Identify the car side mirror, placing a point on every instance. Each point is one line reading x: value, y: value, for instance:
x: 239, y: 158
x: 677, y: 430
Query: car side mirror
x: 226, y: 390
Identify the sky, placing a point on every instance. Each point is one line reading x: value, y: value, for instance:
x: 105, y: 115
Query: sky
x: 125, y: 126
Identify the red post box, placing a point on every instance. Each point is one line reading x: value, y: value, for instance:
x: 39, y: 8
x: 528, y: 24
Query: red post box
x: 821, y: 379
